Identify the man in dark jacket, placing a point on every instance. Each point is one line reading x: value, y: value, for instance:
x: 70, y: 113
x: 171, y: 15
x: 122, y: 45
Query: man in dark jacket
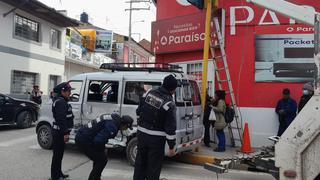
x: 91, y: 139
x: 62, y: 125
x: 308, y: 91
x: 156, y: 126
x: 286, y: 109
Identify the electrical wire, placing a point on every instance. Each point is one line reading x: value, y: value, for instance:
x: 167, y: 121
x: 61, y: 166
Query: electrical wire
x: 242, y: 59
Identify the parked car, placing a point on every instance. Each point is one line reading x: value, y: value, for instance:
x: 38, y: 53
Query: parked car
x: 17, y: 112
x: 119, y: 91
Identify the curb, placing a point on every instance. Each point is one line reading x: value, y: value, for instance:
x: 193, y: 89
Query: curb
x: 195, y: 158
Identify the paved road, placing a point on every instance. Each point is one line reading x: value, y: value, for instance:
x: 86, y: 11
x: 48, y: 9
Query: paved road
x: 22, y: 159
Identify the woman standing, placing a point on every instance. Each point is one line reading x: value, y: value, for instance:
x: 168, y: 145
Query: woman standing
x: 220, y: 109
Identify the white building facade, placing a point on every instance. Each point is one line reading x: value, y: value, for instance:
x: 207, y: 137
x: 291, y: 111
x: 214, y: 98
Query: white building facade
x: 32, y: 47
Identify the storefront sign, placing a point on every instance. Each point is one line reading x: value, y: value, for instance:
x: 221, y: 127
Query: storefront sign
x: 103, y: 41
x: 179, y: 34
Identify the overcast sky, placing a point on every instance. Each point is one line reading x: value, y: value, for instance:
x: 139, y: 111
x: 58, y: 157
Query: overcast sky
x: 110, y: 14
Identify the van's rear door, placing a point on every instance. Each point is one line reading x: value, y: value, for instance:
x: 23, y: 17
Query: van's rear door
x: 189, y: 114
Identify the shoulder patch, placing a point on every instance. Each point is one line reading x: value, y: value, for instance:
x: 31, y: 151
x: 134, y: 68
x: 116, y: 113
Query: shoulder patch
x: 154, y: 101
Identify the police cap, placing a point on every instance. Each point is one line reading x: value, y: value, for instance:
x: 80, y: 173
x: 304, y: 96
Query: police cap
x: 127, y: 120
x: 124, y: 120
x: 170, y: 83
x: 65, y: 86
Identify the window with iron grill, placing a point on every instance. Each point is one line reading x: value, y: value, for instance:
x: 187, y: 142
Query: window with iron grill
x: 26, y: 28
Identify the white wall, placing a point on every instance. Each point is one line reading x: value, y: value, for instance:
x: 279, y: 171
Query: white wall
x: 45, y: 69
x: 48, y: 61
x: 72, y: 69
x: 262, y: 123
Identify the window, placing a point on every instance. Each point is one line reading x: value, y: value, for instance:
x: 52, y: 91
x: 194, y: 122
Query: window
x: 53, y: 81
x: 103, y: 91
x: 23, y: 82
x: 55, y: 39
x: 76, y: 90
x: 134, y: 90
x: 188, y: 93
x: 26, y: 28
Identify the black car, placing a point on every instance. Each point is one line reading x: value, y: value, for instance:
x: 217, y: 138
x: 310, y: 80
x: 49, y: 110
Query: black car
x: 17, y: 111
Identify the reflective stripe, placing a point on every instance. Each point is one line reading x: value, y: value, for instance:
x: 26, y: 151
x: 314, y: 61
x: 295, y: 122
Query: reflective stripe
x: 166, y: 106
x: 151, y: 132
x: 54, y: 103
x: 98, y: 120
x: 170, y: 137
x: 69, y: 115
x: 156, y: 133
x: 56, y: 127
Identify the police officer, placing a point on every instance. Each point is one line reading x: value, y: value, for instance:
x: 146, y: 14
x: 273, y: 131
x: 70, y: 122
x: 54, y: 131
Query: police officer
x: 62, y: 125
x: 91, y: 139
x: 156, y: 126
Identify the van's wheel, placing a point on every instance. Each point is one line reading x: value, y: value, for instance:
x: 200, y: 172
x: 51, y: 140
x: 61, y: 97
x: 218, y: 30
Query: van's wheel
x: 132, y: 150
x: 44, y: 136
x: 24, y: 119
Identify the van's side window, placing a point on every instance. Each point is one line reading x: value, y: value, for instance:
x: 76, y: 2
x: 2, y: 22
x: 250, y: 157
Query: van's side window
x: 76, y: 90
x: 134, y: 91
x: 103, y: 91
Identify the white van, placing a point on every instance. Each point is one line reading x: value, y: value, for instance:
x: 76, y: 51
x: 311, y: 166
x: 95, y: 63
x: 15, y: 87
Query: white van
x: 119, y: 90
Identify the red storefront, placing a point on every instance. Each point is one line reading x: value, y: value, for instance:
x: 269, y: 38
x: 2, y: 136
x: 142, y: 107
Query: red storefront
x: 266, y: 52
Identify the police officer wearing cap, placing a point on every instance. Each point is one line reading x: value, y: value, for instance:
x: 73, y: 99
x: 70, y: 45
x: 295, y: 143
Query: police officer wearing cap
x: 62, y: 125
x: 91, y: 139
x: 156, y: 126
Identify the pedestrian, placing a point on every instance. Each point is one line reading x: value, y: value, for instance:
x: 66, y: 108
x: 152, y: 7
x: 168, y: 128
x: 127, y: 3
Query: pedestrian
x: 286, y: 110
x: 219, y: 108
x: 91, y: 139
x: 308, y: 91
x: 62, y: 125
x: 156, y: 126
x: 36, y: 94
x: 206, y: 121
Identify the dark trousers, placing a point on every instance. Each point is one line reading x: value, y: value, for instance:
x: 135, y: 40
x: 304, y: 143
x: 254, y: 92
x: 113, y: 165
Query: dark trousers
x: 149, y: 158
x: 98, y: 156
x: 222, y: 139
x: 283, y: 125
x: 58, y: 145
x: 207, y: 124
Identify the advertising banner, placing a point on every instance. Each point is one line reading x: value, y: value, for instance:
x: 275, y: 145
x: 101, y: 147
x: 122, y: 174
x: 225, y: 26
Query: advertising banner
x: 284, y: 54
x: 184, y: 33
x: 103, y: 41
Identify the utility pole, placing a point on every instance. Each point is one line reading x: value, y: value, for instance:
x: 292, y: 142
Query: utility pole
x: 130, y: 23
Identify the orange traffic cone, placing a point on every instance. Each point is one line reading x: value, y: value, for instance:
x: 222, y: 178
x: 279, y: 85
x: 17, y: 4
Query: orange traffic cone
x: 246, y: 145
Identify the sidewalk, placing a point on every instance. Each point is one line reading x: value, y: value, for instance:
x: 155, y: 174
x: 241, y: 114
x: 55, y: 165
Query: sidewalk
x: 207, y: 155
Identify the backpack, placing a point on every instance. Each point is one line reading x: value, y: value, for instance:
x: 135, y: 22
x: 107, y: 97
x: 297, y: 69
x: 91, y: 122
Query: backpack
x: 229, y: 115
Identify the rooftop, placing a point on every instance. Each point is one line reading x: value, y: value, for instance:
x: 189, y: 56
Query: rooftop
x: 43, y: 11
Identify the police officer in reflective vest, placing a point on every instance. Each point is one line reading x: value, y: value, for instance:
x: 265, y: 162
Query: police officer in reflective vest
x: 156, y: 126
x: 91, y: 139
x: 62, y: 125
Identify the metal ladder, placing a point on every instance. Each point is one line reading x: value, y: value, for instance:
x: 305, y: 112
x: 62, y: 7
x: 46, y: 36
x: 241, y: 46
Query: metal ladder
x: 237, y: 123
